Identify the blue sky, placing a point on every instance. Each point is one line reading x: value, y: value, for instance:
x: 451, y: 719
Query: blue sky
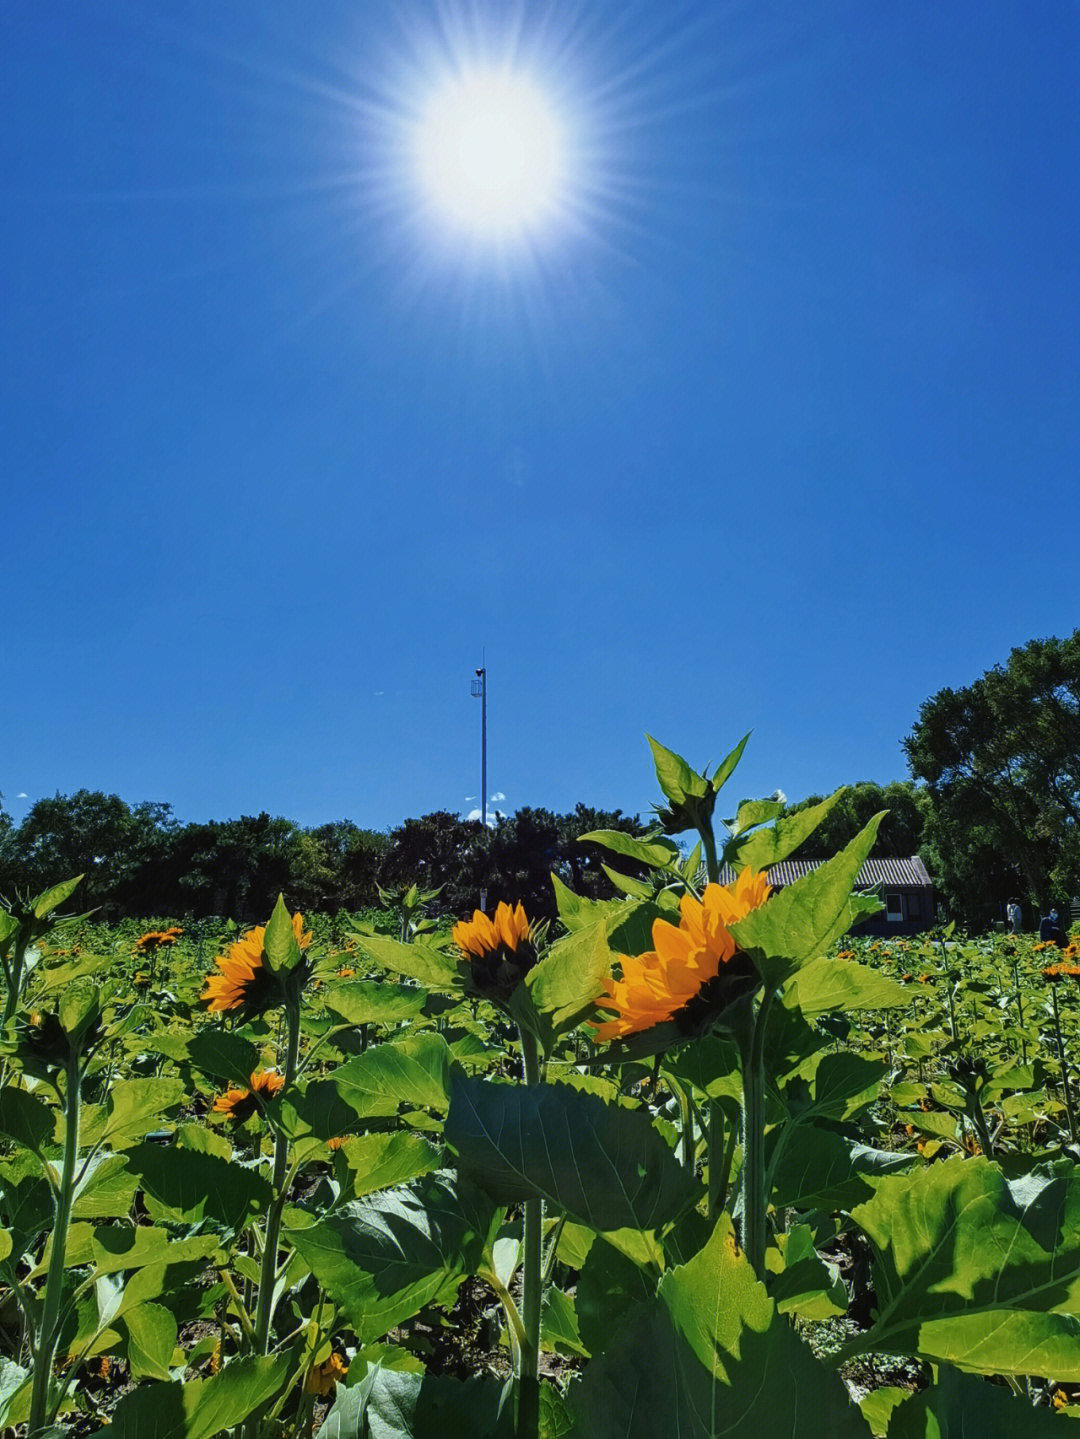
x: 776, y: 429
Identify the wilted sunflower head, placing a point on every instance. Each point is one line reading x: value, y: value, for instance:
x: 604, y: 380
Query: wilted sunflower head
x: 694, y: 969
x: 241, y: 1104
x: 244, y: 981
x: 501, y: 950
x: 323, y: 1377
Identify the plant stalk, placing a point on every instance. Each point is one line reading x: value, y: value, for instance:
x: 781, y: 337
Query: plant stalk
x: 532, y: 1280
x: 753, y: 1201
x: 1065, y: 1086
x: 264, y: 1310
x: 48, y: 1332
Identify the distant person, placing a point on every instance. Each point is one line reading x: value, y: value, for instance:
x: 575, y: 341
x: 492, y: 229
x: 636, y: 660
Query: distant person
x: 1015, y: 915
x: 1050, y: 928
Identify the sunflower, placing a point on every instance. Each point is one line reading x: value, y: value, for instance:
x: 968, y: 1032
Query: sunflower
x: 323, y: 1377
x: 241, y: 1104
x: 500, y: 950
x: 686, y: 959
x: 244, y: 981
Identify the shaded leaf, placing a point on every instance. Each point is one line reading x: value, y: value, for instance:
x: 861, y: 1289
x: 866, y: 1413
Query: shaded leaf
x: 203, y: 1407
x: 603, y: 1165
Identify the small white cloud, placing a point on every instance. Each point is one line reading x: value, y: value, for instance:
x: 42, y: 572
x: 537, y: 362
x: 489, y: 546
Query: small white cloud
x: 779, y: 796
x: 497, y: 795
x: 475, y: 814
x: 22, y: 795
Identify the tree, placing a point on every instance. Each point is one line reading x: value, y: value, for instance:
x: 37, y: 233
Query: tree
x: 901, y: 832
x: 89, y: 833
x: 1001, y: 762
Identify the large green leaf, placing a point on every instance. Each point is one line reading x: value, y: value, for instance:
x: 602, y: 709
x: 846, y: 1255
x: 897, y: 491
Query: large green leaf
x: 407, y: 1071
x: 821, y: 1169
x: 655, y: 851
x: 433, y: 1406
x: 802, y: 921
x: 959, y: 1406
x: 25, y: 1119
x: 825, y: 985
x: 570, y: 976
x: 151, y: 1340
x: 977, y: 1270
x: 203, y: 1407
x: 379, y: 1161
x: 116, y: 1247
x: 280, y: 945
x: 220, y: 1053
x: 371, y: 1001
x: 133, y: 1106
x: 766, y: 847
x: 611, y: 1288
x: 53, y: 898
x: 190, y: 1188
x: 106, y: 1189
x: 675, y: 777
x: 603, y: 1165
x: 436, y: 968
x: 710, y: 1358
x: 575, y: 911
x: 385, y: 1257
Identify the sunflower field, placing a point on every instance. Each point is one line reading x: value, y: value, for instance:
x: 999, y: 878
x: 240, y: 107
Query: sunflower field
x: 694, y: 1162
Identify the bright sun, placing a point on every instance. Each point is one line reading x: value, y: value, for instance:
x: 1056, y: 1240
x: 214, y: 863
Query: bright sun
x: 490, y: 153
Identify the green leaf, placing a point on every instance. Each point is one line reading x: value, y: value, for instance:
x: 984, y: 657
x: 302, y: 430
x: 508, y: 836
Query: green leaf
x: 13, y: 1378
x: 675, y: 777
x: 559, y: 1324
x: 653, y: 850
x: 635, y: 888
x: 372, y: 1001
x: 435, y: 968
x: 25, y: 1119
x: 107, y: 1189
x: 726, y: 768
x: 280, y: 945
x: 133, y: 1105
x: 753, y: 812
x: 385, y: 1257
x: 203, y: 1407
x: 407, y: 1071
x: 183, y: 1186
x: 378, y: 1161
x: 116, y: 1247
x: 432, y: 1406
x: 53, y: 898
x: 802, y: 1283
x: 820, y: 1169
x: 152, y: 1335
x: 603, y: 1165
x: 711, y: 1359
x: 611, y: 1289
x: 769, y: 846
x: 807, y: 917
x: 222, y: 1054
x: 570, y: 976
x: 574, y: 910
x: 824, y: 985
x: 959, y: 1406
x: 977, y: 1270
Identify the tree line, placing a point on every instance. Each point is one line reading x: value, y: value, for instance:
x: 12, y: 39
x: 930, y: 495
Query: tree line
x: 993, y: 808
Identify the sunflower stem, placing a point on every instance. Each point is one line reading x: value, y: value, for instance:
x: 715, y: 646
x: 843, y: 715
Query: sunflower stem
x: 48, y: 1333
x: 712, y: 863
x: 1066, y: 1088
x: 753, y: 1200
x: 264, y: 1311
x: 532, y: 1280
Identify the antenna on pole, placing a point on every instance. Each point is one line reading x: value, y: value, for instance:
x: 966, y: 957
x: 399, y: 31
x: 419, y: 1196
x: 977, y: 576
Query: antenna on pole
x: 478, y: 690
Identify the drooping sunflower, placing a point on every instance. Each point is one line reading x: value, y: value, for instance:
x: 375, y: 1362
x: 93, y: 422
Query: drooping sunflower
x: 323, y: 1377
x: 684, y: 966
x: 244, y: 981
x: 241, y: 1104
x: 500, y: 949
